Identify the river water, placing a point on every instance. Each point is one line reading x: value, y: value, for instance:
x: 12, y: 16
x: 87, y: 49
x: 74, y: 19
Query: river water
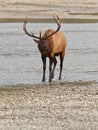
x: 20, y: 61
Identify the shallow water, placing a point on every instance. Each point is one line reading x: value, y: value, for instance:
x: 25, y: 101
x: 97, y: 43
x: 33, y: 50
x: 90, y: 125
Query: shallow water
x: 20, y: 61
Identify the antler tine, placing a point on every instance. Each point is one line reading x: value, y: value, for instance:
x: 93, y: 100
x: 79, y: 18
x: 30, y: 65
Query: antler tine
x: 40, y: 34
x: 25, y: 30
x: 25, y: 23
x: 56, y: 17
x: 57, y: 20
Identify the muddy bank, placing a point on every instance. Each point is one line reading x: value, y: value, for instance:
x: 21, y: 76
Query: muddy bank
x: 58, y: 106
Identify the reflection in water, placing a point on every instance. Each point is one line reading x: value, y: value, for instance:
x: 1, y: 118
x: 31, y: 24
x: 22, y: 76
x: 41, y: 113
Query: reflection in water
x: 20, y: 61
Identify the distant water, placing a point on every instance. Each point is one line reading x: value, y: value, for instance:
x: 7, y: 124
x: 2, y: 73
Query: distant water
x: 20, y: 61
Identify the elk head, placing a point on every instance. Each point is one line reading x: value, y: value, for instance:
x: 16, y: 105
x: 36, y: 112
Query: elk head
x: 43, y: 41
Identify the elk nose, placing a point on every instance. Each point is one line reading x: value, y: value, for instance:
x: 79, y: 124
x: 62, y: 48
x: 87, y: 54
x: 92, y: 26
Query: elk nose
x: 44, y: 47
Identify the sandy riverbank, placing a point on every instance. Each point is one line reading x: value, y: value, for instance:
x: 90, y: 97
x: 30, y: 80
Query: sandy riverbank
x: 62, y: 106
x: 41, y: 9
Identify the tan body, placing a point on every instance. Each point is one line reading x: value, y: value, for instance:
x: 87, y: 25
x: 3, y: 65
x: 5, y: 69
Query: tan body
x: 57, y: 43
x: 51, y: 44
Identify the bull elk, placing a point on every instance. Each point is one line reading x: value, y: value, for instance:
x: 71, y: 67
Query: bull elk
x: 51, y: 44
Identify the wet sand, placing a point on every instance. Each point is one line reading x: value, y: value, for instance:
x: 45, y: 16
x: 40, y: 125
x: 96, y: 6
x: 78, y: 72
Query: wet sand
x: 59, y: 106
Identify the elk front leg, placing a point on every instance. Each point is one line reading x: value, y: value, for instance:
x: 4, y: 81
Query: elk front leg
x: 44, y: 68
x: 55, y: 63
x: 50, y: 68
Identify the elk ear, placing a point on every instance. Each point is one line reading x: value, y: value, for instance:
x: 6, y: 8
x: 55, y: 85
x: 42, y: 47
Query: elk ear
x: 37, y: 41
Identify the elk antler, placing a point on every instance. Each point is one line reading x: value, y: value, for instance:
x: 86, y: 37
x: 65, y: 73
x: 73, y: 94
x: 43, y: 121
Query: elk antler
x: 57, y: 20
x: 29, y: 34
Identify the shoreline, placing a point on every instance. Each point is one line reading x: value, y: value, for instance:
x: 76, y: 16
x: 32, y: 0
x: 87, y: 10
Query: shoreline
x: 47, y: 20
x: 54, y: 83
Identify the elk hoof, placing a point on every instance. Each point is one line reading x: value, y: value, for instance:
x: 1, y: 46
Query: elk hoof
x: 43, y: 80
x: 59, y: 78
x: 49, y: 80
x: 52, y: 76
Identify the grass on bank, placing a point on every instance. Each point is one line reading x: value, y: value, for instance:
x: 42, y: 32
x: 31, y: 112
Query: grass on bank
x: 46, y: 20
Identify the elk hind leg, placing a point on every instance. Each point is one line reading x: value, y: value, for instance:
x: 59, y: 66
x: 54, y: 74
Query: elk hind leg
x: 61, y: 64
x: 50, y: 68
